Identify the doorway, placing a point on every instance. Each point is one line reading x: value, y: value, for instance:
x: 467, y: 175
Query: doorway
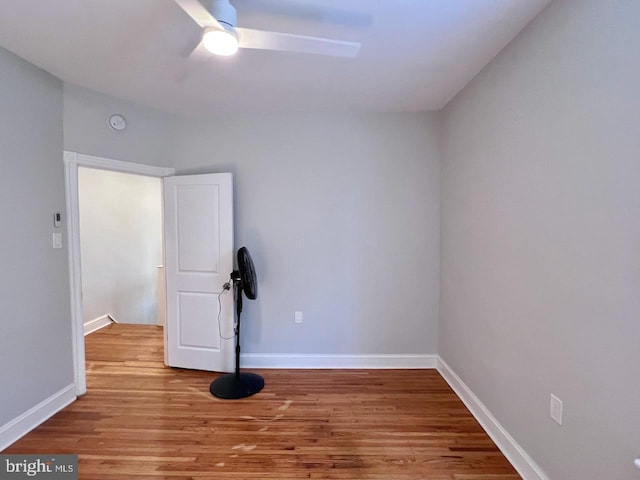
x: 121, y: 247
x: 73, y: 162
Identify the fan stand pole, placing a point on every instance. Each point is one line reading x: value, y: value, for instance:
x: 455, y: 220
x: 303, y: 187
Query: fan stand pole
x: 237, y: 385
x: 239, y: 313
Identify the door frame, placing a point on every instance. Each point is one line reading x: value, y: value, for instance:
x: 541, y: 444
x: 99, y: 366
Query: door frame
x: 73, y: 160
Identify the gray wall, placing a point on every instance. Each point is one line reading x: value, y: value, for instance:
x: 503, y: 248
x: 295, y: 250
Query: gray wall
x: 340, y: 213
x: 541, y: 234
x: 35, y: 331
x: 121, y: 243
x: 86, y: 129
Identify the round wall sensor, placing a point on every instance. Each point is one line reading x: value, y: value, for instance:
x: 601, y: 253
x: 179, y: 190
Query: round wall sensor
x: 117, y: 122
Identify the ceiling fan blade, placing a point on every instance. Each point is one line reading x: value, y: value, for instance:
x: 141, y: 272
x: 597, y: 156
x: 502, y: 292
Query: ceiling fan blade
x: 199, y: 14
x: 307, y: 12
x: 198, y: 51
x: 249, y: 38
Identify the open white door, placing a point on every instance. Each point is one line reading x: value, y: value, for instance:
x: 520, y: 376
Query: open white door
x: 198, y: 217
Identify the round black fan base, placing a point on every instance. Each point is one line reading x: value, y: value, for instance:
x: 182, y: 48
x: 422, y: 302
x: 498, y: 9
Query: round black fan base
x: 232, y: 386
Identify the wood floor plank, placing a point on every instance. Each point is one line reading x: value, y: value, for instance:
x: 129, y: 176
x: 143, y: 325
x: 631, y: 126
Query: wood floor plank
x: 141, y: 420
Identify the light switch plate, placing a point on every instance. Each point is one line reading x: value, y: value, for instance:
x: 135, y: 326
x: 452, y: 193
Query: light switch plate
x: 57, y: 240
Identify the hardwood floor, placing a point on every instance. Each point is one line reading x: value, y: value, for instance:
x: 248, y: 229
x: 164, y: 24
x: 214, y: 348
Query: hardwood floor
x: 141, y: 420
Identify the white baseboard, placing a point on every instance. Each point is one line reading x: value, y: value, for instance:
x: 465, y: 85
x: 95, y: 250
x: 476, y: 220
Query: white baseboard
x: 17, y: 428
x: 521, y: 461
x: 286, y: 360
x: 97, y: 323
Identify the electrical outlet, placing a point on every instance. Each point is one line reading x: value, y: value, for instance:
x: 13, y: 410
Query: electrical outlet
x: 297, y: 318
x: 555, y: 409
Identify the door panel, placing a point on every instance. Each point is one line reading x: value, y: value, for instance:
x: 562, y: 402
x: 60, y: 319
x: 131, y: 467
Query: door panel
x: 197, y: 233
x: 195, y: 330
x: 199, y: 259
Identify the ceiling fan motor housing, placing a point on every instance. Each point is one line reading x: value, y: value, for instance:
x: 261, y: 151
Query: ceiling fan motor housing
x: 224, y: 12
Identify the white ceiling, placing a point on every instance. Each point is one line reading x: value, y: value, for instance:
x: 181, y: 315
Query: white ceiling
x: 416, y: 54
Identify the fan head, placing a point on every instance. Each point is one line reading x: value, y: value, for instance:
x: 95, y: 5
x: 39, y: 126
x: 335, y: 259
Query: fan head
x: 248, y: 280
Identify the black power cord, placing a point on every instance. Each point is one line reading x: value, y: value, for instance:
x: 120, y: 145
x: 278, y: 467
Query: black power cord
x: 225, y: 287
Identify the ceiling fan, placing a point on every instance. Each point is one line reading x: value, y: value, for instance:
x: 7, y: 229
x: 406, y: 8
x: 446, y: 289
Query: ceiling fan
x: 222, y: 36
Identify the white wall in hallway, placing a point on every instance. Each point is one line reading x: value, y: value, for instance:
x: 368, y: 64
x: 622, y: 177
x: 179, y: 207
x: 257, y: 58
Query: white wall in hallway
x: 121, y: 244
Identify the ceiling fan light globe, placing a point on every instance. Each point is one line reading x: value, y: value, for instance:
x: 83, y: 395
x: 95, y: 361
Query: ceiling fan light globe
x: 220, y: 42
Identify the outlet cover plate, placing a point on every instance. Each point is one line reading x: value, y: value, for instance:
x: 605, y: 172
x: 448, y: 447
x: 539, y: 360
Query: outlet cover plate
x: 555, y: 409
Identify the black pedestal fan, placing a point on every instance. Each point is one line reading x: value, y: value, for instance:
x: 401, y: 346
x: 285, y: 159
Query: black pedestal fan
x: 240, y: 384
